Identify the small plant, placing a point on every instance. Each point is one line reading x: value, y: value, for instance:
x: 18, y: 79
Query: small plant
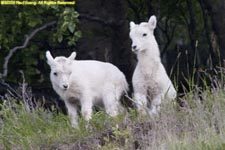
x: 120, y: 139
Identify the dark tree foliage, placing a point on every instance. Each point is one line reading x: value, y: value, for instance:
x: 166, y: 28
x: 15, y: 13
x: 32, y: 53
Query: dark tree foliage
x: 26, y: 32
x: 216, y: 9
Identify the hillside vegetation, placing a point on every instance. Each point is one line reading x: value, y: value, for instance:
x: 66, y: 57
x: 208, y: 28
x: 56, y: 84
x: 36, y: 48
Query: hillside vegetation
x: 196, y: 122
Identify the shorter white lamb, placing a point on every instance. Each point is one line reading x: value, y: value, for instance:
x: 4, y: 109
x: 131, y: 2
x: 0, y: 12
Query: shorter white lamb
x: 151, y: 83
x: 88, y: 83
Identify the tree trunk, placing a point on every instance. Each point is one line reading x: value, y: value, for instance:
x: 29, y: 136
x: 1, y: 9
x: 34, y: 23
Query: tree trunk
x: 105, y: 33
x: 216, y: 9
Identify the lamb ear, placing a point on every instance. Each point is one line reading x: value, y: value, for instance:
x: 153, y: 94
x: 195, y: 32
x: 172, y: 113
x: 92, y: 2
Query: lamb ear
x: 152, y: 22
x: 72, y: 56
x: 132, y: 24
x: 50, y: 59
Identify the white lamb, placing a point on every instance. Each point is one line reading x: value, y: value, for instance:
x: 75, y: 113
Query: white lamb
x: 87, y: 82
x: 151, y: 83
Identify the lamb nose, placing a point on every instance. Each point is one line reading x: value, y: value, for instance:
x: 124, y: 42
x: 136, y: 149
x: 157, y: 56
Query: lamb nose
x: 134, y: 47
x: 65, y: 86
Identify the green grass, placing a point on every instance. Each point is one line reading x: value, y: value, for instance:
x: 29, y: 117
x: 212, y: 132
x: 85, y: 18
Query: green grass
x: 27, y: 130
x: 199, y: 125
x: 44, y: 129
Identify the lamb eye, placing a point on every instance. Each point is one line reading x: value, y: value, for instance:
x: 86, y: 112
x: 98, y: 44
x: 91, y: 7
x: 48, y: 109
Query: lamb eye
x: 144, y: 34
x: 55, y: 73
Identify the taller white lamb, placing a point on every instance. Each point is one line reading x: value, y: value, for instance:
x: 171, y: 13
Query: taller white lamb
x: 87, y: 82
x: 151, y: 83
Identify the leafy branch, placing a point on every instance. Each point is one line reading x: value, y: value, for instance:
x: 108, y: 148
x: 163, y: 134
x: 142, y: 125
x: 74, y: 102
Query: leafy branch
x: 27, y: 40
